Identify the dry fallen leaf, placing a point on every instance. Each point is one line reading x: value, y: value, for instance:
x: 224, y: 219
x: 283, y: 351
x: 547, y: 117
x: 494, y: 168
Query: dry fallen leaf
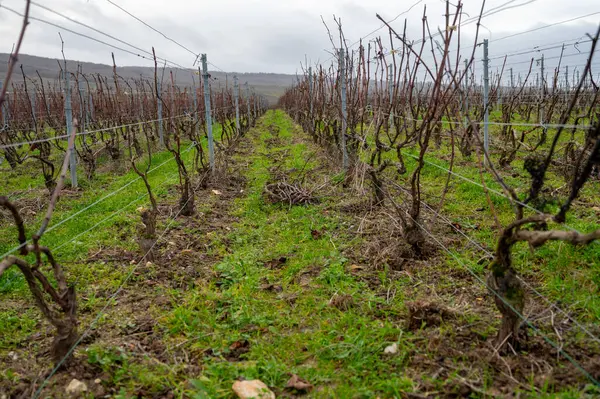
x: 239, y: 344
x: 298, y: 384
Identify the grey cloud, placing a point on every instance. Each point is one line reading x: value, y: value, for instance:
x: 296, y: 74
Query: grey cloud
x: 573, y: 55
x: 276, y: 35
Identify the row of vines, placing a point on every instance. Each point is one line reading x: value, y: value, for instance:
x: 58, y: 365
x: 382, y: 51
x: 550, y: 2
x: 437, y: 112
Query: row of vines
x: 393, y: 97
x: 114, y: 120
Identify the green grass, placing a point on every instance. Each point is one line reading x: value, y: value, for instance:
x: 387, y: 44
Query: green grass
x: 294, y: 331
x: 562, y: 272
x: 100, y: 216
x: 111, y: 233
x: 283, y: 314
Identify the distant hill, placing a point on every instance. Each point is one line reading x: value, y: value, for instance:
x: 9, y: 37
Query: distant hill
x: 271, y: 85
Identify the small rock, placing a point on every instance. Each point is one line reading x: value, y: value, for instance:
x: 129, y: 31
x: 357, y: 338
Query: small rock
x: 13, y: 355
x: 76, y: 387
x: 391, y: 350
x: 254, y: 389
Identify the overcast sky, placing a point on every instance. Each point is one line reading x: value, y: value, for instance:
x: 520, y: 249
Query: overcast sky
x: 276, y: 35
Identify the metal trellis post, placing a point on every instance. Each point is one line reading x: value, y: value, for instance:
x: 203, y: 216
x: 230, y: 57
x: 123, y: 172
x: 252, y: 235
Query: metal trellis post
x: 236, y: 96
x: 211, y: 148
x: 543, y: 82
x: 391, y: 93
x: 342, y: 69
x: 486, y: 88
x: 69, y: 118
x: 310, y: 96
x: 248, y: 100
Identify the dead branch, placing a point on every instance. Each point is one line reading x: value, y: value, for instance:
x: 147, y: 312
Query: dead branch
x: 14, y: 56
x: 539, y: 238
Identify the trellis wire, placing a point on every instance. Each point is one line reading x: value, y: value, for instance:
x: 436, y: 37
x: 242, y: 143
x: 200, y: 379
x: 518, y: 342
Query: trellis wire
x: 522, y: 317
x: 522, y: 124
x: 111, y: 215
x: 94, y: 203
x: 84, y: 133
x: 487, y: 252
x: 109, y: 302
